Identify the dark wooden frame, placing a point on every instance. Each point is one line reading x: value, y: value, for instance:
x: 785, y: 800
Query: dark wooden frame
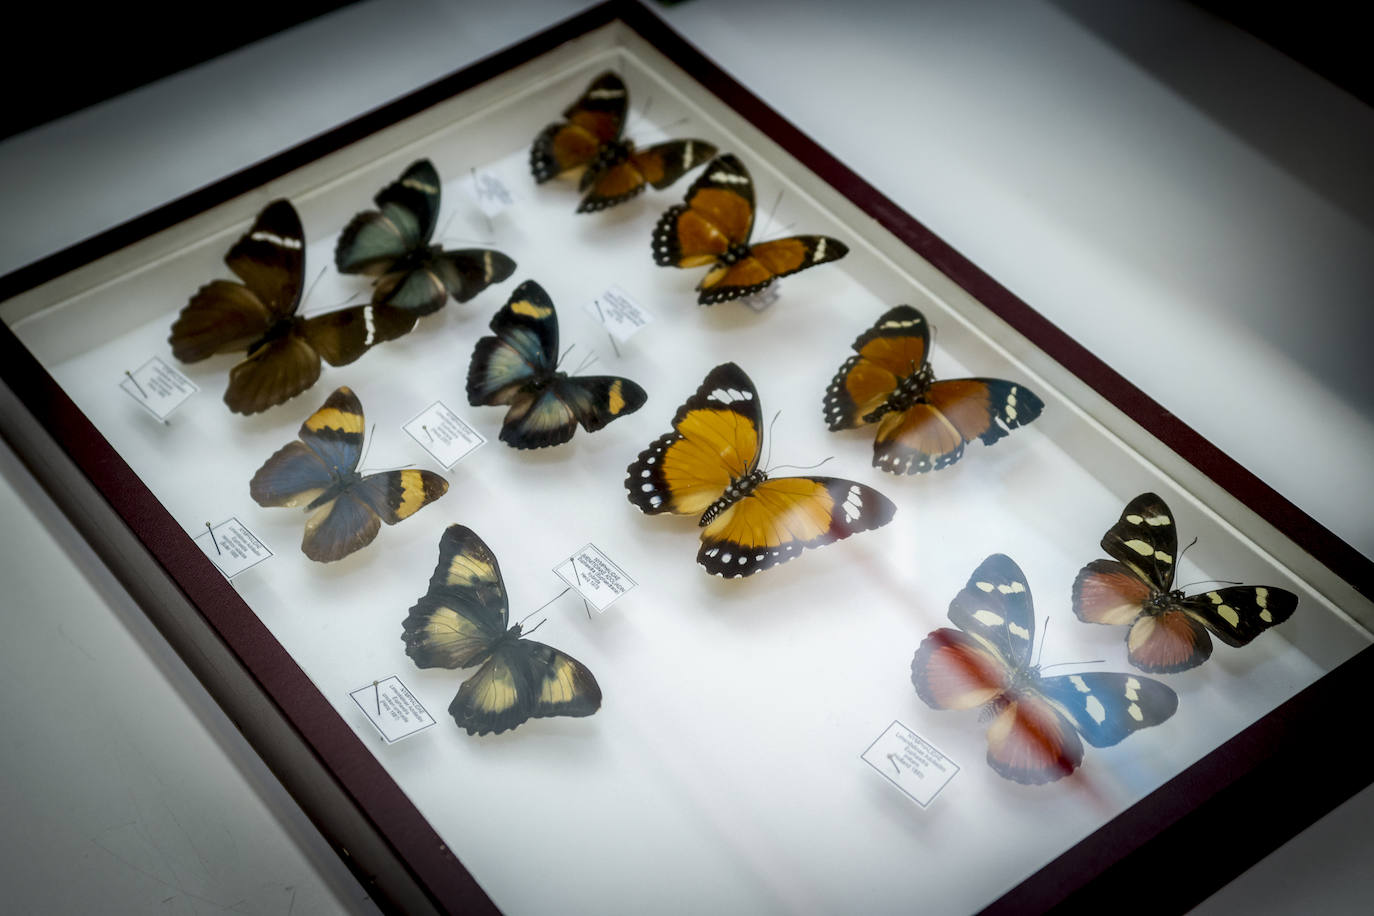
x: 1166, y: 853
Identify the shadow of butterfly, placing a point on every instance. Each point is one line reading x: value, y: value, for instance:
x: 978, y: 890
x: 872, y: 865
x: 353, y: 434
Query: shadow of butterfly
x: 923, y: 424
x: 587, y: 145
x: 392, y: 244
x: 708, y: 466
x: 320, y: 472
x: 259, y: 316
x: 461, y: 622
x: 1036, y: 721
x: 518, y: 367
x: 1168, y: 629
x: 713, y: 228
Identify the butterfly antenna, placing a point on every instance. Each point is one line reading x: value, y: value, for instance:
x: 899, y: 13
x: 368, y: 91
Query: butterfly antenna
x: 809, y: 467
x: 1091, y: 661
x: 448, y: 222
x: 1044, y: 632
x: 588, y: 360
x: 368, y: 447
x: 564, y: 356
x: 544, y: 605
x: 311, y: 288
x: 771, y: 424
x: 1207, y: 581
x: 771, y: 213
x: 1183, y: 551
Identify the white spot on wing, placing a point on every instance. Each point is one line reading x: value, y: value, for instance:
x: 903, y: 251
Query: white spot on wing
x: 371, y: 327
x: 988, y: 618
x: 262, y: 235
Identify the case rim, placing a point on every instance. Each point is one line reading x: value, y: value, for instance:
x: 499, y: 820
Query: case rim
x: 1203, y: 814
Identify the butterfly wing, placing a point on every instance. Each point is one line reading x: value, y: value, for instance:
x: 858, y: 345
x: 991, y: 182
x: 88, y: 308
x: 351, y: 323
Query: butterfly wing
x: 344, y: 335
x: 715, y: 438
x: 270, y: 259
x: 766, y: 262
x: 659, y: 165
x: 784, y: 516
x: 995, y: 608
x: 463, y: 614
x: 1164, y: 641
x: 549, y: 416
x: 408, y: 210
x: 523, y: 680
x: 222, y: 317
x: 931, y: 434
x: 718, y: 214
x: 524, y: 349
x: 1145, y: 540
x: 896, y: 347
x: 466, y: 272
x: 593, y: 120
x: 1105, y: 706
x: 273, y: 373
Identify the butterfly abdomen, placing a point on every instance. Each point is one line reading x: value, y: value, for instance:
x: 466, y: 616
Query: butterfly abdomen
x: 737, y: 490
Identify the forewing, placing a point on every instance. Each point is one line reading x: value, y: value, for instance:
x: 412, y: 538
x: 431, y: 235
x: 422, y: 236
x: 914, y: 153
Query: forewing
x: 894, y: 348
x: 270, y: 259
x: 524, y: 349
x: 344, y: 335
x: 1105, y: 707
x: 335, y: 431
x: 995, y: 608
x: 467, y: 272
x: 664, y: 163
x: 222, y: 317
x: 719, y: 212
x: 272, y: 374
x: 1145, y: 540
x: 1239, y: 613
x: 397, y: 495
x: 593, y: 120
x: 412, y: 203
x: 369, y: 244
x: 596, y: 400
x: 464, y: 612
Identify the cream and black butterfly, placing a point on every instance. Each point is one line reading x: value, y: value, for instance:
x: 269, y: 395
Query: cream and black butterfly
x: 1168, y: 629
x: 392, y: 244
x: 461, y: 622
x: 708, y: 466
x: 518, y: 367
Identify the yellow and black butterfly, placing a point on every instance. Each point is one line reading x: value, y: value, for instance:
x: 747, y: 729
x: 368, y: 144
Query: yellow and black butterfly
x: 519, y: 367
x: 708, y: 466
x: 1168, y: 630
x: 923, y: 424
x: 392, y: 244
x: 588, y: 144
x: 320, y: 472
x: 1036, y: 721
x: 461, y: 622
x: 259, y: 315
x: 713, y: 227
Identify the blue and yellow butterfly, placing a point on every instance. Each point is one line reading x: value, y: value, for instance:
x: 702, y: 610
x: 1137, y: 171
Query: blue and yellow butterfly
x: 518, y: 367
x: 320, y: 472
x: 461, y: 622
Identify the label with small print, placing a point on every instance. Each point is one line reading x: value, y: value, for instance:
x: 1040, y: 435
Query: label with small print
x: 910, y: 763
x: 596, y: 578
x: 618, y: 313
x: 160, y: 388
x: 232, y: 547
x: 392, y: 709
x: 763, y: 298
x: 444, y: 434
x: 488, y: 191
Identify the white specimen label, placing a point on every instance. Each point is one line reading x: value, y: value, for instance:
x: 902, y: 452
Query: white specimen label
x: 763, y: 298
x: 444, y: 434
x: 488, y: 191
x: 595, y: 577
x: 232, y: 547
x: 392, y: 709
x: 160, y: 388
x: 618, y: 313
x: 910, y: 763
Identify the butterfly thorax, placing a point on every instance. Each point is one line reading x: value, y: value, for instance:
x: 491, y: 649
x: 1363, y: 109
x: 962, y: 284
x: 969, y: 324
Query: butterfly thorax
x: 611, y: 154
x: 739, y: 488
x: 1160, y: 601
x: 343, y: 481
x: 1022, y: 680
x: 733, y: 255
x: 540, y: 382
x: 910, y: 390
x: 280, y: 328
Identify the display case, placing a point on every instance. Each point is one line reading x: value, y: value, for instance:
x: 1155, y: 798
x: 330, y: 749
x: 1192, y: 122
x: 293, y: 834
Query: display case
x: 730, y: 762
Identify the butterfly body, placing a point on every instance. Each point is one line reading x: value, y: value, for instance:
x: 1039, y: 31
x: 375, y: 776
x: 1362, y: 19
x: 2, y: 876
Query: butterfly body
x: 1169, y: 629
x: 319, y: 471
x: 713, y: 227
x: 517, y: 367
x: 460, y: 622
x: 708, y: 467
x: 923, y: 423
x: 1037, y: 722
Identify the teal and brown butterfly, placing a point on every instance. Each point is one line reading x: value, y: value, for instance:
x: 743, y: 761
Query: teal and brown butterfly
x: 1169, y: 631
x: 712, y: 228
x: 588, y: 145
x: 461, y: 621
x: 708, y: 467
x: 923, y: 423
x: 518, y: 367
x: 319, y: 471
x: 393, y: 245
x: 259, y: 315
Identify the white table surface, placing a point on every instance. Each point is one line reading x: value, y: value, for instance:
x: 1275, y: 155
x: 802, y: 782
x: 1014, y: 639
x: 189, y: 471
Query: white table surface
x: 1191, y: 205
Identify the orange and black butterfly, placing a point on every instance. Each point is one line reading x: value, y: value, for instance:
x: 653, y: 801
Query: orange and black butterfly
x: 392, y: 244
x: 588, y: 144
x: 1033, y: 737
x: 319, y: 471
x: 923, y: 424
x: 713, y: 227
x: 259, y: 315
x: 461, y: 622
x: 1168, y: 629
x: 708, y: 466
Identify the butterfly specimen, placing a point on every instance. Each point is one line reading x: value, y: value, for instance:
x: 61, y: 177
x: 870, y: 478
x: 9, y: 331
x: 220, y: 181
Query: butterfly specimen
x: 392, y: 244
x: 588, y: 143
x: 320, y: 472
x: 461, y: 622
x: 713, y: 228
x: 259, y: 315
x: 708, y: 466
x: 519, y: 367
x: 1036, y: 721
x: 923, y: 424
x: 1168, y: 630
